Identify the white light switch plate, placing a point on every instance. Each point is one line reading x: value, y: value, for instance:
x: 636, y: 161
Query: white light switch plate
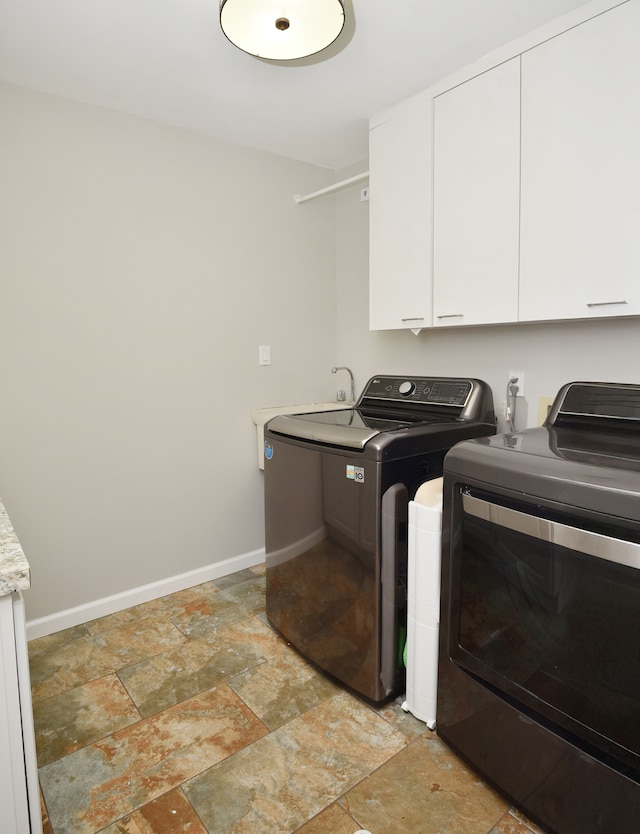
x: 264, y: 355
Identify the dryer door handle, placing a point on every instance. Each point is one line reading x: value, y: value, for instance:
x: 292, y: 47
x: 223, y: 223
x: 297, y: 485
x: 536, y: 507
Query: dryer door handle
x: 573, y: 538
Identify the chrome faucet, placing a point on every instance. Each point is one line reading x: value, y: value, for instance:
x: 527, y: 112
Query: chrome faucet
x: 353, y: 387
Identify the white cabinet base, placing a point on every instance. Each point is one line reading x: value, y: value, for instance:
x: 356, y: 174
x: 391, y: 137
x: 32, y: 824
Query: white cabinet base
x: 19, y: 791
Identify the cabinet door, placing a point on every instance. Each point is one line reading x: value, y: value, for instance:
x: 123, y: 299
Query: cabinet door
x: 580, y: 222
x: 13, y: 784
x: 476, y: 199
x: 400, y: 218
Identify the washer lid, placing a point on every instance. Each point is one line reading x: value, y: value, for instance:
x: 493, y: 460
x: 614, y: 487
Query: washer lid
x: 345, y: 427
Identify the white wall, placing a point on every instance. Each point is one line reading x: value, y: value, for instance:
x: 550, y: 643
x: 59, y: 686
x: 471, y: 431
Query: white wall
x: 549, y: 355
x: 140, y: 268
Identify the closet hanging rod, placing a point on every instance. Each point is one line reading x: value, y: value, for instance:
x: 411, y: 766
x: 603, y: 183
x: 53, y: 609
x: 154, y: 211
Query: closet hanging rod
x: 331, y: 188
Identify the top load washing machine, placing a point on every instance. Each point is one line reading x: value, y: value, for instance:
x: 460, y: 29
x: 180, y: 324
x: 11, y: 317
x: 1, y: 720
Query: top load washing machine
x: 337, y: 489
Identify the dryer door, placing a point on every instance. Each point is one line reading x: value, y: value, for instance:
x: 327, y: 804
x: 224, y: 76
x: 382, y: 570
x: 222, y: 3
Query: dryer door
x: 545, y: 609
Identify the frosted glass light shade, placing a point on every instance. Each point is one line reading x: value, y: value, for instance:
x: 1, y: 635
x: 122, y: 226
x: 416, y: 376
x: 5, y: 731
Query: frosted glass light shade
x: 281, y: 30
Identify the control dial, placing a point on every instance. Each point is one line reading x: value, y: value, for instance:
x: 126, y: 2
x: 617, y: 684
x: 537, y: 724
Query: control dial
x: 406, y: 388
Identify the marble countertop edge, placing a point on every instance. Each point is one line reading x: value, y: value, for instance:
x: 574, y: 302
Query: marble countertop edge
x: 15, y: 574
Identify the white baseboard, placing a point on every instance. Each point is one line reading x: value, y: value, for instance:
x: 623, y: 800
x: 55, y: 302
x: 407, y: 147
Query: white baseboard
x: 135, y: 596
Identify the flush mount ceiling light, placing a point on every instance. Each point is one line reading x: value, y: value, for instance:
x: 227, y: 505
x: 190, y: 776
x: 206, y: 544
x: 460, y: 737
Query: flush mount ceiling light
x: 281, y: 30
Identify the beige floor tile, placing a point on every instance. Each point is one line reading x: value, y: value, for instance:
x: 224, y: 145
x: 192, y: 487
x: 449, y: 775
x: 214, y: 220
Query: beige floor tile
x: 46, y: 822
x: 89, y: 658
x: 80, y: 716
x: 251, y: 593
x: 282, y: 688
x: 407, y: 723
x: 198, y: 665
x: 169, y: 814
x: 129, y: 615
x: 515, y: 823
x: 49, y: 642
x: 234, y: 579
x: 213, y: 612
x: 425, y: 789
x: 97, y: 785
x: 333, y: 820
x: 189, y: 597
x: 288, y: 777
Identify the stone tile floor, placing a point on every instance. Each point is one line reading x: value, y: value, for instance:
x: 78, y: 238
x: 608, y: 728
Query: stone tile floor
x: 190, y: 715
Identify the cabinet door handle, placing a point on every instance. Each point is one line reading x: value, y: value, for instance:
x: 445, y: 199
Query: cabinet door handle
x: 604, y: 303
x: 452, y: 316
x: 413, y: 318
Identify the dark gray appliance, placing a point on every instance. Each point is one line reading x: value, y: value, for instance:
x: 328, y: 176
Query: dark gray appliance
x: 337, y: 488
x: 539, y: 667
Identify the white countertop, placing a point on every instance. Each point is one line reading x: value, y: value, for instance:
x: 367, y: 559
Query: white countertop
x: 14, y: 568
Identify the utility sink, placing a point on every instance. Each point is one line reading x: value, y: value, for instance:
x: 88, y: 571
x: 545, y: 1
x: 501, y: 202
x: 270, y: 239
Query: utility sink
x: 261, y: 416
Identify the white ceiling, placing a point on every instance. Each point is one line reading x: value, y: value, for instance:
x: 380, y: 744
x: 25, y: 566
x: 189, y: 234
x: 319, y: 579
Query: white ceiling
x: 169, y: 61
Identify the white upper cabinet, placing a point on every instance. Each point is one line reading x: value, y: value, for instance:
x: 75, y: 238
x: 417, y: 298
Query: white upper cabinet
x: 519, y: 198
x: 476, y: 199
x: 400, y: 224
x: 580, y: 223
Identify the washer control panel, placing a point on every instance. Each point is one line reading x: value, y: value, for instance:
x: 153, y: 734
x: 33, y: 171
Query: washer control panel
x: 419, y: 390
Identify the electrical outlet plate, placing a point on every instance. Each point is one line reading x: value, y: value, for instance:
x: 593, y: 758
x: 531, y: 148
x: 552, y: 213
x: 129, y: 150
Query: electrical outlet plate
x: 364, y: 194
x: 519, y: 383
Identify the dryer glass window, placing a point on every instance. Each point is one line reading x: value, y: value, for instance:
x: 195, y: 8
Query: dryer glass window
x: 552, y: 627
